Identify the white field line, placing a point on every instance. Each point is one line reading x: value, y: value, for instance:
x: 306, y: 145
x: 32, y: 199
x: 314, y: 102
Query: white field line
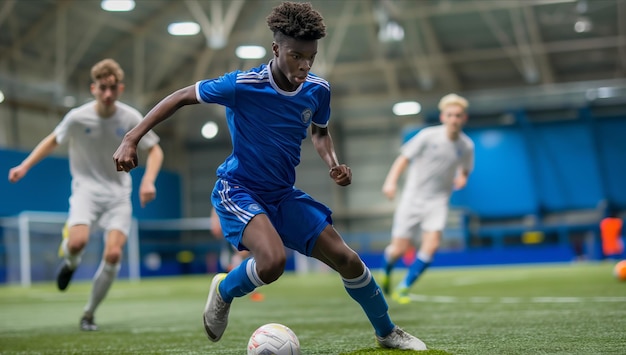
x: 514, y: 300
x: 159, y: 329
x: 114, y: 294
x: 465, y: 281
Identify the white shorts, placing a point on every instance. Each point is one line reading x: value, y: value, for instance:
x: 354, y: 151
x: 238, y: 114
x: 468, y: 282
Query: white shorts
x: 429, y: 215
x: 109, y: 212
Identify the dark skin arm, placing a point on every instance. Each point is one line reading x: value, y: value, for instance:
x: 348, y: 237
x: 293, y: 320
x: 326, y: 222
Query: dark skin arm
x: 125, y: 156
x: 323, y: 142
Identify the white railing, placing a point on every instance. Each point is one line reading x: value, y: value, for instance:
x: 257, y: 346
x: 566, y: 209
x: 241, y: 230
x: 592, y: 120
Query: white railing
x: 25, y: 225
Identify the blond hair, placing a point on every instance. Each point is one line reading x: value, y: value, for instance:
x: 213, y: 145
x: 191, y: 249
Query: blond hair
x: 106, y: 68
x: 453, y: 99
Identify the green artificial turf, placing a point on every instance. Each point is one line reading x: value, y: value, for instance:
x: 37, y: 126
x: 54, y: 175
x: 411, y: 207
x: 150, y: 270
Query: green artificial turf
x: 547, y: 309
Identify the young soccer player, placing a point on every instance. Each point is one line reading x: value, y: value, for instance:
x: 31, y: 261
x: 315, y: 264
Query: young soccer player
x: 269, y: 109
x: 439, y: 158
x: 99, y: 193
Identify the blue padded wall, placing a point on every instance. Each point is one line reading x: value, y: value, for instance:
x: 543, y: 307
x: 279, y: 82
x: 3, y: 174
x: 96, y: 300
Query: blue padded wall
x: 501, y: 183
x: 567, y: 166
x: 612, y: 145
x: 46, y: 187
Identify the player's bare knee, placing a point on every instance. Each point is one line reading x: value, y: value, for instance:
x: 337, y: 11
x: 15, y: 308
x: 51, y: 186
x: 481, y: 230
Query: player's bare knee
x: 270, y: 270
x: 113, y: 256
x: 394, y: 251
x: 348, y: 260
x: 76, y: 246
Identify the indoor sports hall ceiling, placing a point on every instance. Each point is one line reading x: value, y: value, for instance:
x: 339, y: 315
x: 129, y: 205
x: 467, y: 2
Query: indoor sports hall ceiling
x: 499, y: 52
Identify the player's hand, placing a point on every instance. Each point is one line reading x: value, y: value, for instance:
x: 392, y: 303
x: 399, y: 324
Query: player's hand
x: 341, y: 174
x: 125, y: 157
x: 389, y: 190
x: 17, y: 173
x: 459, y: 182
x: 147, y: 193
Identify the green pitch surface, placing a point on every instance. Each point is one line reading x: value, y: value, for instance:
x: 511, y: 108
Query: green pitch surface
x: 555, y: 309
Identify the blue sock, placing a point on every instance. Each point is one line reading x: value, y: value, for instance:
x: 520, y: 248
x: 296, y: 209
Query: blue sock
x: 366, y: 292
x: 388, y: 264
x: 240, y: 281
x: 415, y: 270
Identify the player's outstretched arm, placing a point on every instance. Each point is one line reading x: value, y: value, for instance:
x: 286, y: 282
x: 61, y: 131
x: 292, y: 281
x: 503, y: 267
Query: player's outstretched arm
x: 147, y: 189
x: 125, y: 156
x: 460, y: 180
x: 323, y: 143
x: 42, y: 150
x: 391, y: 181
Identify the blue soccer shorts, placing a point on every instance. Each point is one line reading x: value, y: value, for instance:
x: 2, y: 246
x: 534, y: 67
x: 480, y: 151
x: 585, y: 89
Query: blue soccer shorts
x: 295, y: 215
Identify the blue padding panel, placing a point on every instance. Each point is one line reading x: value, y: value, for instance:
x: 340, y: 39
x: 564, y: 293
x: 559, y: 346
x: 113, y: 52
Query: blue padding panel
x: 501, y: 184
x: 612, y: 142
x: 567, y: 166
x: 489, y: 256
x: 168, y: 203
x: 47, y: 187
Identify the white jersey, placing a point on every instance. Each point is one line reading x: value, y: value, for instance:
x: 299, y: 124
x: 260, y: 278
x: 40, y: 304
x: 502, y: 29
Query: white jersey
x: 92, y: 142
x: 434, y: 162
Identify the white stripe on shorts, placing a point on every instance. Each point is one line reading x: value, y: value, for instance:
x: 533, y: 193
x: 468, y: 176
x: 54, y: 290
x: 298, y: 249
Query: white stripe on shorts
x: 243, y: 215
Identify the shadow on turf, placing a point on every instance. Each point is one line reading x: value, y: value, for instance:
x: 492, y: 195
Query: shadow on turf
x: 379, y: 351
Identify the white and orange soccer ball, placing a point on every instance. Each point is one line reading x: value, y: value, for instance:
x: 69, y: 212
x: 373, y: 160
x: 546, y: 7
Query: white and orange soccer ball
x: 619, y: 270
x: 273, y: 339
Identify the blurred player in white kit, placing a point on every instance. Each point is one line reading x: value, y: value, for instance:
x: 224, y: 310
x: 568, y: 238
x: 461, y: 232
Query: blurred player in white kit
x: 438, y: 159
x: 100, y: 194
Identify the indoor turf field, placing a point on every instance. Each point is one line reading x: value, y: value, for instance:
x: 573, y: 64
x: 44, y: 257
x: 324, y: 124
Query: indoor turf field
x: 531, y: 309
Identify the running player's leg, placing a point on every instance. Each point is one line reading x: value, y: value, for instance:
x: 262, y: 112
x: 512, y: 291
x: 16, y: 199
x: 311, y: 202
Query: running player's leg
x: 72, y: 250
x: 392, y: 253
x: 238, y: 258
x: 246, y: 225
x: 74, y: 244
x: 104, y: 276
x: 116, y: 221
x: 361, y: 286
x: 75, y: 236
x: 405, y: 222
x: 432, y: 227
x: 306, y: 227
x: 430, y: 243
x: 267, y: 265
x: 357, y: 279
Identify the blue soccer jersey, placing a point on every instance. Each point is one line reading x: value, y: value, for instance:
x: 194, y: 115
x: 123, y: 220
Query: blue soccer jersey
x: 267, y: 124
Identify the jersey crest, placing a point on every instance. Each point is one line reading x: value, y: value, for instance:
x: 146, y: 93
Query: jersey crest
x: 306, y: 115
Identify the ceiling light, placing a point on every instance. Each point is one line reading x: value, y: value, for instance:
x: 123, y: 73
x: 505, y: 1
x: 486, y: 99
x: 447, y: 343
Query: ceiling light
x: 407, y: 108
x: 183, y: 28
x: 391, y: 31
x: 209, y: 130
x: 1, y: 96
x: 117, y: 5
x: 583, y: 24
x: 250, y: 52
x: 217, y: 41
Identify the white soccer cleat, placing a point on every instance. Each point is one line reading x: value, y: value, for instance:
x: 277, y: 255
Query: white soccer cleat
x: 399, y: 339
x: 216, y: 311
x: 87, y: 324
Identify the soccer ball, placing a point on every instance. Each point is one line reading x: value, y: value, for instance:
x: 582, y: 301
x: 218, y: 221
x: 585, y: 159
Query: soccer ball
x: 273, y: 339
x: 620, y: 270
